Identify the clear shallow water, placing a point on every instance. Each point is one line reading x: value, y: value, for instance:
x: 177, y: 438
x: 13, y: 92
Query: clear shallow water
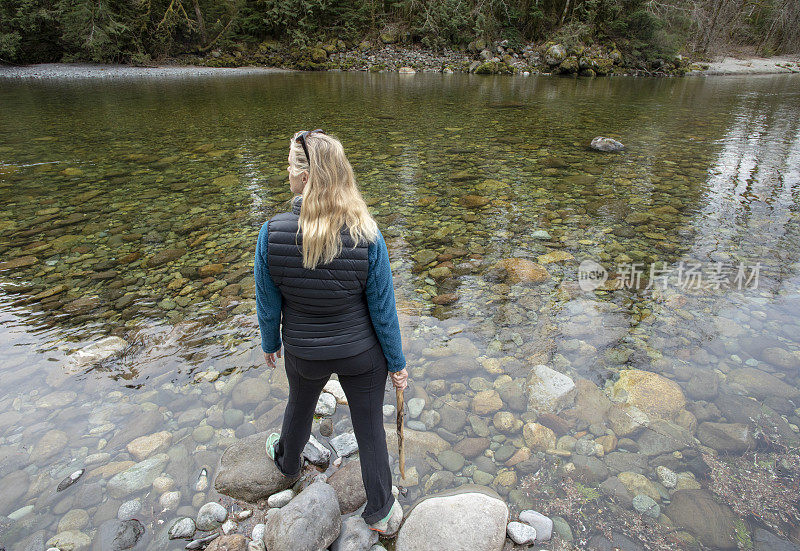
x: 131, y: 209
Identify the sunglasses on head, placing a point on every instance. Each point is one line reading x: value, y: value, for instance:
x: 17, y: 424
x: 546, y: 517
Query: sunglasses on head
x: 301, y: 139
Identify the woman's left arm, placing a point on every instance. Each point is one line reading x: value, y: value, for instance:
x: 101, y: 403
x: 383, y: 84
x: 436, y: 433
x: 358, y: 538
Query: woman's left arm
x: 268, y: 301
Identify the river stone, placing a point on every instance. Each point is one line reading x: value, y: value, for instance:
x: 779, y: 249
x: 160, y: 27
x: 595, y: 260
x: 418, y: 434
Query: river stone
x: 50, y: 444
x: 349, y: 486
x: 311, y: 521
x: 245, y: 471
x: 767, y: 541
x: 416, y: 443
x: 415, y: 407
x: 281, y: 498
x: 231, y: 542
x: 664, y: 437
x: 355, y: 535
x: 726, y: 437
x: 602, y: 143
x: 646, y: 505
x: 761, y: 384
x: 138, y: 477
x: 639, y: 484
x: 472, y: 447
x: 538, y: 437
x: 94, y: 353
x: 129, y: 509
x: 470, y: 518
x: 211, y: 516
x: 521, y: 533
x: 143, y: 447
x: 450, y: 460
x: 14, y: 486
x: 780, y: 357
x: 70, y: 540
x: 652, y: 393
x: 326, y: 405
x: 316, y: 453
x: 345, y: 444
x: 183, y: 529
x: 548, y: 390
x: 542, y: 524
x: 522, y: 270
x: 452, y: 419
x: 696, y: 511
x: 486, y: 402
x: 118, y: 535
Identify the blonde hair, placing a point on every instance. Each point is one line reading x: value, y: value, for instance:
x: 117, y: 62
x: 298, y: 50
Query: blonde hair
x: 331, y: 199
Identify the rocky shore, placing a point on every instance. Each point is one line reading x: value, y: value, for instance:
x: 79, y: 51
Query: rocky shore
x: 479, y: 58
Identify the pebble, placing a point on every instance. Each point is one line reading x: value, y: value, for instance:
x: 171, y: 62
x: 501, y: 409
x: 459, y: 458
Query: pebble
x: 229, y: 526
x: 169, y: 501
x: 211, y: 516
x: 258, y: 532
x: 646, y: 505
x: 668, y: 478
x: 542, y: 523
x: 281, y: 498
x: 388, y: 410
x: 129, y: 509
x: 416, y: 425
x: 202, y: 481
x: 345, y: 444
x: 415, y: 407
x: 183, y: 529
x: 326, y: 405
x: 520, y: 533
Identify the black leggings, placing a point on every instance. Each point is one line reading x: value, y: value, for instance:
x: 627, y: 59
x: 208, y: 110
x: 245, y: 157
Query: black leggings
x: 363, y: 379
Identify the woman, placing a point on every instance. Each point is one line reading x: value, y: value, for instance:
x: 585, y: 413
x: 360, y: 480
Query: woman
x: 325, y: 268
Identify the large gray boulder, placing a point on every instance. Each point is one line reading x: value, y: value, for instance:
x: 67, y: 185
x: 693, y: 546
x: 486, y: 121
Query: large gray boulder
x: 310, y: 522
x: 469, y: 518
x: 246, y: 472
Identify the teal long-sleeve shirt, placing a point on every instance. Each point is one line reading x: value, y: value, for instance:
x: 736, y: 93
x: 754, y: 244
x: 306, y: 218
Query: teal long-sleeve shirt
x: 380, y: 301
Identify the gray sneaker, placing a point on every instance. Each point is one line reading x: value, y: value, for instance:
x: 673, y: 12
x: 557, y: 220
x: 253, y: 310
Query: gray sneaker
x: 390, y: 524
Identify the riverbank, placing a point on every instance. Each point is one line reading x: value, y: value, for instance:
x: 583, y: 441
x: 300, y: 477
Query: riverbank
x: 746, y: 65
x: 60, y: 71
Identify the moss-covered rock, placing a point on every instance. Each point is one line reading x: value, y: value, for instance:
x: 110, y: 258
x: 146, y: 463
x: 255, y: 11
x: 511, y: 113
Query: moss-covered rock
x: 588, y: 72
x: 602, y: 65
x: 364, y: 46
x: 389, y: 37
x: 555, y: 54
x: 493, y: 68
x: 319, y: 55
x: 569, y: 65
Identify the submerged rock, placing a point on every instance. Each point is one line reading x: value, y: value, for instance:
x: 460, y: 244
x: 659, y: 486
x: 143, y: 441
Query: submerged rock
x: 696, y: 511
x: 548, y: 390
x: 653, y: 394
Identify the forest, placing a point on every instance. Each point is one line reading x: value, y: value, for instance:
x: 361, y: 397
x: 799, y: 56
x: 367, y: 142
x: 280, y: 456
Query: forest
x: 147, y: 31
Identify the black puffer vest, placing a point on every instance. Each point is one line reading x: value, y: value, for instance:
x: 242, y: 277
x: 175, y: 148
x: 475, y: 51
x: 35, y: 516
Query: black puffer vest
x: 325, y: 314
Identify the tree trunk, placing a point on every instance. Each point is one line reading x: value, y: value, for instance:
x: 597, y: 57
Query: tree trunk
x: 200, y: 24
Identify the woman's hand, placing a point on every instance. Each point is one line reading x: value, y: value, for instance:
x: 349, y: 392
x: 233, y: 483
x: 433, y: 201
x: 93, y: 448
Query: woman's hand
x: 399, y: 379
x: 271, y: 357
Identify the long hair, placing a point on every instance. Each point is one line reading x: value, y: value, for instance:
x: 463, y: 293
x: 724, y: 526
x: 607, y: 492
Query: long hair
x: 331, y: 199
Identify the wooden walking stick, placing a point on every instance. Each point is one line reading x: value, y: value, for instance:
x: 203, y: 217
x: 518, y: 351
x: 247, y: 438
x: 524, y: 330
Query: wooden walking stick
x: 400, y: 413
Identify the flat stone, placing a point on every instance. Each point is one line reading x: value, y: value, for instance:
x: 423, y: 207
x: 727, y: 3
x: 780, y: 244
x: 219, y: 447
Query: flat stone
x: 138, y: 477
